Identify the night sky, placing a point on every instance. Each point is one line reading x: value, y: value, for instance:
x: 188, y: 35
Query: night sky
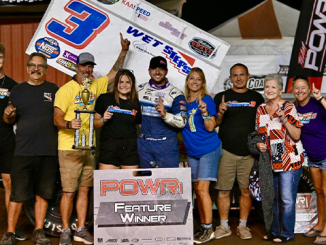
x: 207, y: 14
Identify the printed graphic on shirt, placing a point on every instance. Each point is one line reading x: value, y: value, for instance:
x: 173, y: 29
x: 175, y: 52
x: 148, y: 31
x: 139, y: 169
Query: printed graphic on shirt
x: 78, y: 99
x: 306, y: 117
x: 117, y: 109
x: 191, y: 120
x: 241, y: 104
x: 48, y: 97
x: 4, y: 92
x: 150, y: 111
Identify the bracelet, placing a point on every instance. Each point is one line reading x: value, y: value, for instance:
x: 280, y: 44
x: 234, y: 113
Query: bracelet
x: 206, y: 117
x: 102, y: 121
x: 68, y: 125
x: 319, y: 100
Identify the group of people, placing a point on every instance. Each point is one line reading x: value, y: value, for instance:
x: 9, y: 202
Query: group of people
x: 29, y: 159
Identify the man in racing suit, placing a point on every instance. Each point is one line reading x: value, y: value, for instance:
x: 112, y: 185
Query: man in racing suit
x: 163, y: 114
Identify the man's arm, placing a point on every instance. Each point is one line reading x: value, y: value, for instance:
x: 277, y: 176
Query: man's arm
x: 61, y: 123
x: 121, y: 59
x: 9, y: 114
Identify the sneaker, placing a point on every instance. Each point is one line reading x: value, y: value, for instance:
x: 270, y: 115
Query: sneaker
x: 198, y: 232
x: 8, y: 238
x: 221, y: 231
x: 244, y: 232
x: 206, y: 235
x: 39, y: 237
x: 65, y: 237
x: 83, y: 236
x: 21, y: 235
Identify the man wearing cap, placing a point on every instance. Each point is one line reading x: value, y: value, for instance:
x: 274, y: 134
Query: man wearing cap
x: 76, y: 166
x: 163, y: 114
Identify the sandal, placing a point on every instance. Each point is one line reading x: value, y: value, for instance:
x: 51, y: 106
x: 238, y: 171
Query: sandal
x: 270, y: 237
x: 283, y: 240
x: 314, y: 233
x: 320, y: 242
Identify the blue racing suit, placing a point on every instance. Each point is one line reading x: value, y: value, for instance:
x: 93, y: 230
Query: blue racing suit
x: 157, y: 142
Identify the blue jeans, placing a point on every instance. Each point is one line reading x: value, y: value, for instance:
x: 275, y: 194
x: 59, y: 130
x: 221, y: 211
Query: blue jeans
x: 205, y: 168
x: 286, y: 188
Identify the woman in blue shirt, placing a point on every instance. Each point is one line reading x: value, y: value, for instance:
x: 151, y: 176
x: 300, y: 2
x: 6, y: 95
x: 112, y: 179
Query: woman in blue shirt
x: 203, y: 147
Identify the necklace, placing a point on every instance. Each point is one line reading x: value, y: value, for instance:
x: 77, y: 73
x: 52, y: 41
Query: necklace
x: 3, y: 81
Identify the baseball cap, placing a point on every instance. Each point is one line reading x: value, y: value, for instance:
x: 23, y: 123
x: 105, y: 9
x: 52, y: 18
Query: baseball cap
x: 158, y: 61
x: 85, y: 58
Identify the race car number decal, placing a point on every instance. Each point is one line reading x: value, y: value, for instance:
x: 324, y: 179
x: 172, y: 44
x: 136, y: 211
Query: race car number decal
x: 82, y: 26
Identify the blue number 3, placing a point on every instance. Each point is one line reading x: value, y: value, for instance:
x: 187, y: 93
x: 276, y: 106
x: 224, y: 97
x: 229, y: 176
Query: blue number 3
x: 82, y: 26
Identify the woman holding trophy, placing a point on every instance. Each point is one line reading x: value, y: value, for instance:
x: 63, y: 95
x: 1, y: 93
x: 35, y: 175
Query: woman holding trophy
x: 118, y: 113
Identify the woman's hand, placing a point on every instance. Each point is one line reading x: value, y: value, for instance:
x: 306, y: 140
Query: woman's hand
x: 316, y: 92
x: 202, y: 106
x: 107, y: 115
x: 281, y: 115
x: 261, y: 147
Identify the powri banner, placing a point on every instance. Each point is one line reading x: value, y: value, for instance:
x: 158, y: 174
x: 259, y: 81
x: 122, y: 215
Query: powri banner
x: 70, y: 28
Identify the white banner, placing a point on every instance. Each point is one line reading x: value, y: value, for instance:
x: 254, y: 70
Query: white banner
x: 152, y: 209
x: 70, y: 28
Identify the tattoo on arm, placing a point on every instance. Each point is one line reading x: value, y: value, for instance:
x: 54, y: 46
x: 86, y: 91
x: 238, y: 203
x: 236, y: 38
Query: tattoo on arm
x: 119, y: 63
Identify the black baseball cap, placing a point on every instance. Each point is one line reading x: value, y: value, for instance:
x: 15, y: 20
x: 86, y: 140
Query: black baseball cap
x: 158, y: 61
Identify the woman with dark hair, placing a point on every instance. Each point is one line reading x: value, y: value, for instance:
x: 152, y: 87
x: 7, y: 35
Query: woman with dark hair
x: 118, y: 113
x: 203, y: 147
x: 312, y: 114
x: 278, y: 125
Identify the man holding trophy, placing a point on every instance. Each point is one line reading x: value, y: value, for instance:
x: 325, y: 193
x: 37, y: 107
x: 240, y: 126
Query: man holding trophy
x: 73, y: 115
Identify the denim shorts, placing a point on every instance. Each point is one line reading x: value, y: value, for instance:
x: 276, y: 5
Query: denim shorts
x: 205, y: 168
x: 321, y: 164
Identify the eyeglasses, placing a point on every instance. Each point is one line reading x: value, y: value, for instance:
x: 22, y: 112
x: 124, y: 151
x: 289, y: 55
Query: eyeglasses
x: 40, y: 67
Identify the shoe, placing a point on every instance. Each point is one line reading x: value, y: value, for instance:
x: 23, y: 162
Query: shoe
x: 221, y: 232
x: 312, y: 233
x: 198, y: 232
x: 283, y: 240
x: 65, y: 237
x: 323, y: 241
x: 21, y: 235
x: 8, y: 238
x: 206, y: 235
x: 84, y: 236
x: 244, y: 232
x: 39, y: 238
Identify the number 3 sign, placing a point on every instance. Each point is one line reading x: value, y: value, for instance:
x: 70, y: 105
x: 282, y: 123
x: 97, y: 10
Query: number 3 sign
x: 82, y: 26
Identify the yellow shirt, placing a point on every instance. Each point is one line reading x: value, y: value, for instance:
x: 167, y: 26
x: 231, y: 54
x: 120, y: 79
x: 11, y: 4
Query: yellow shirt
x: 68, y: 98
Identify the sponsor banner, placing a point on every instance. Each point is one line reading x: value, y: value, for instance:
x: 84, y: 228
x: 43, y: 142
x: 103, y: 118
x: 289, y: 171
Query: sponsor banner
x: 306, y: 215
x: 144, y: 209
x: 69, y: 28
x: 308, y: 54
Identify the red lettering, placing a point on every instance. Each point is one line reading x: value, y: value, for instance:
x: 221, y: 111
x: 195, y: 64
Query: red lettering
x: 170, y: 184
x: 128, y: 187
x: 109, y: 185
x: 148, y: 184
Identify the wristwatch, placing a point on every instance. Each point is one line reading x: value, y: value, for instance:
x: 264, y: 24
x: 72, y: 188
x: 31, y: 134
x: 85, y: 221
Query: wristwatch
x: 68, y: 125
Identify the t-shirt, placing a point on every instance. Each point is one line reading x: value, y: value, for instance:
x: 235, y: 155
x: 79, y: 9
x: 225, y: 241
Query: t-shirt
x: 36, y: 134
x: 313, y: 132
x: 285, y: 154
x: 6, y: 130
x: 239, y: 119
x: 68, y: 98
x: 198, y: 141
x: 121, y: 125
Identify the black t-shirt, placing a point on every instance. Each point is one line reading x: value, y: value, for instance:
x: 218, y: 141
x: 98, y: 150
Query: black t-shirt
x: 6, y: 130
x: 239, y: 119
x: 36, y: 134
x: 121, y: 125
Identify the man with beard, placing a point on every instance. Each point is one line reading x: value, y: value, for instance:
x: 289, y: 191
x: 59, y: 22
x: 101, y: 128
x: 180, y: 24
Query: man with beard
x: 163, y: 114
x: 77, y: 166
x: 35, y: 161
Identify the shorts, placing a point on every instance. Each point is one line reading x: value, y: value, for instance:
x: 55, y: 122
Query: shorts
x: 158, y: 153
x: 320, y: 164
x: 119, y: 152
x: 76, y: 169
x: 6, y: 155
x: 33, y: 175
x: 232, y: 166
x: 205, y: 168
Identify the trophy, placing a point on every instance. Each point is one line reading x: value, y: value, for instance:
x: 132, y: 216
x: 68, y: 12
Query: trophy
x: 80, y: 141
